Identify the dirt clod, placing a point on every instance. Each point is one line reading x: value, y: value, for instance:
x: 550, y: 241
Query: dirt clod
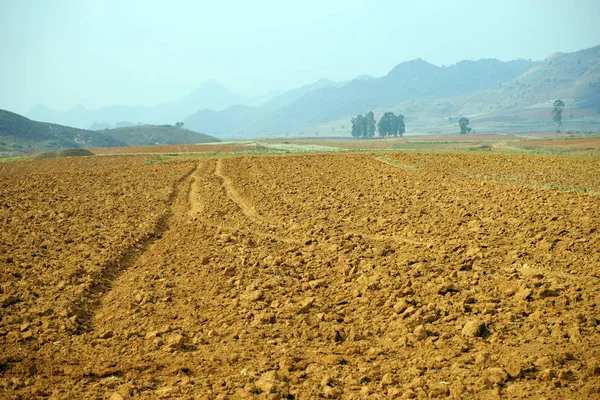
x: 473, y: 328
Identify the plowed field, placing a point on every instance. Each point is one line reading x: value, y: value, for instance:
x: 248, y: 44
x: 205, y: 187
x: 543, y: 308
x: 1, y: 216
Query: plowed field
x: 315, y: 276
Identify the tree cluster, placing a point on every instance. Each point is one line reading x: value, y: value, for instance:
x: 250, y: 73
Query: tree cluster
x: 389, y: 125
x: 363, y: 126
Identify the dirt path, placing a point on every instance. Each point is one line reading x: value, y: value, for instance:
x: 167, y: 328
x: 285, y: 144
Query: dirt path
x: 195, y: 205
x: 233, y: 194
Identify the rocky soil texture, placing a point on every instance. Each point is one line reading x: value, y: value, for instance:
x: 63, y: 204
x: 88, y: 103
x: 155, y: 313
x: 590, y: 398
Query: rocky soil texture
x: 316, y: 276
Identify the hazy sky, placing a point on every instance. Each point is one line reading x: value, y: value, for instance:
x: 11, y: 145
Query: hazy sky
x: 67, y: 52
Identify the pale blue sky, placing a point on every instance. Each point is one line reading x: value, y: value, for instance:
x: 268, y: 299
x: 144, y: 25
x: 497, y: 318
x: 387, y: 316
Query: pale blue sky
x: 68, y: 52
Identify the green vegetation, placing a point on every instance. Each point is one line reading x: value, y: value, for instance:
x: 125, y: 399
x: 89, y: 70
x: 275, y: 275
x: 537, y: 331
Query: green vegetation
x: 147, y: 135
x: 19, y: 135
x: 391, y: 124
x: 464, y: 125
x: 64, y: 153
x: 396, y: 163
x: 558, y: 105
x: 363, y: 126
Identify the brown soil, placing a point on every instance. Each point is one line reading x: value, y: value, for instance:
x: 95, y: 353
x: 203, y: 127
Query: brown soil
x: 298, y: 277
x: 538, y: 171
x: 590, y: 143
x: 171, y: 149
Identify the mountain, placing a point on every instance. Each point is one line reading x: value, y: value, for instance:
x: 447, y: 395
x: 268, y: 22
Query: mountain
x: 286, y: 98
x: 21, y: 135
x: 573, y: 77
x: 520, y: 104
x: 425, y: 93
x: 415, y: 79
x: 210, y: 94
x: 326, y: 101
x: 232, y: 120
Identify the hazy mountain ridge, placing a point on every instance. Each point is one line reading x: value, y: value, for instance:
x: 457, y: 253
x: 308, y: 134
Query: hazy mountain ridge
x: 417, y: 88
x: 209, y: 94
x: 519, y: 105
x: 416, y: 79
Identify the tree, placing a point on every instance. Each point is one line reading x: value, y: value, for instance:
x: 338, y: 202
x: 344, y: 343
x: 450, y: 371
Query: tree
x: 400, y: 126
x: 358, y: 124
x: 385, y: 124
x: 464, y: 125
x: 557, y: 112
x: 179, y: 124
x: 369, y: 125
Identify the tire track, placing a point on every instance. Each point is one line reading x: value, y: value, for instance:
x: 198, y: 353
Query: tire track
x: 102, y: 281
x: 195, y: 207
x: 250, y: 212
x: 238, y: 199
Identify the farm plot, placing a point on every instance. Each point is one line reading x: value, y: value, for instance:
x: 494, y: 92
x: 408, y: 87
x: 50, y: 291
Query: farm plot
x: 66, y: 225
x: 578, y: 174
x: 340, y: 276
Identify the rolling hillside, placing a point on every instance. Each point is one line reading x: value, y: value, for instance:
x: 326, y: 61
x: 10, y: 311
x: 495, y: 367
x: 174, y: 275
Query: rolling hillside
x: 20, y: 135
x: 147, y: 135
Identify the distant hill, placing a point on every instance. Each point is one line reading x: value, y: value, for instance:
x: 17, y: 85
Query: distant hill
x: 21, y: 135
x: 146, y: 135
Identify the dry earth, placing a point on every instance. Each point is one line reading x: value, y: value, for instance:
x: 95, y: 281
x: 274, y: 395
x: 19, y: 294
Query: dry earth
x: 171, y: 148
x: 332, y: 276
x: 587, y: 143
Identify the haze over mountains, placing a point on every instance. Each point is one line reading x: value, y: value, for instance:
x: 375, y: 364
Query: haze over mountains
x: 426, y: 94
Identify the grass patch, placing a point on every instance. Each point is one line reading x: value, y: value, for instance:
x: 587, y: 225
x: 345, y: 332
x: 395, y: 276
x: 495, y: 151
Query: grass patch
x: 64, y: 153
x: 395, y: 163
x: 9, y: 159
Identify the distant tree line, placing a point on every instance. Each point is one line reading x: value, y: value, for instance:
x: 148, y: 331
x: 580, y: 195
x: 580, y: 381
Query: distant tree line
x: 389, y: 125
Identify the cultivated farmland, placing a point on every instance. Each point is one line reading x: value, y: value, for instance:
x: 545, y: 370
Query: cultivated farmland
x: 406, y: 275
